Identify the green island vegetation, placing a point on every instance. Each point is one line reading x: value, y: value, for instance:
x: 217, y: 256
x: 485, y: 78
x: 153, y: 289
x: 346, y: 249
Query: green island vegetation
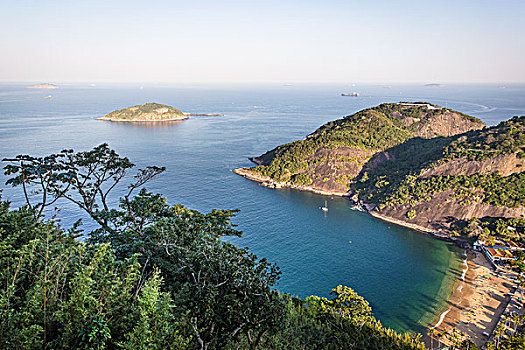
x: 146, y: 112
x: 493, y: 189
x: 150, y: 275
x: 505, y: 138
x: 372, y: 130
x: 401, y: 179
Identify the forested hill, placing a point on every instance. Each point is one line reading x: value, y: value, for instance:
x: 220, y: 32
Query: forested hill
x: 436, y: 183
x: 417, y: 164
x: 333, y: 155
x: 148, y: 112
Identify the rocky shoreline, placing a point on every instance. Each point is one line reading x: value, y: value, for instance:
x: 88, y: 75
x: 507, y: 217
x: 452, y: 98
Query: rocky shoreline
x: 432, y: 233
x: 266, y: 181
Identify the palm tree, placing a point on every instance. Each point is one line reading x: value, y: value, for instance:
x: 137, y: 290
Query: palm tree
x: 442, y: 334
x: 468, y: 342
x: 515, y: 322
x: 431, y: 333
x: 455, y: 337
x: 500, y: 330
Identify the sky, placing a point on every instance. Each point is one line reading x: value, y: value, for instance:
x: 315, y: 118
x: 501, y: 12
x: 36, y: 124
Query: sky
x: 262, y: 41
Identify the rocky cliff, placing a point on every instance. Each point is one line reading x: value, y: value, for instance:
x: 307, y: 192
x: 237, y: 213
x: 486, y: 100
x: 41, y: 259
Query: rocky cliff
x: 439, y: 182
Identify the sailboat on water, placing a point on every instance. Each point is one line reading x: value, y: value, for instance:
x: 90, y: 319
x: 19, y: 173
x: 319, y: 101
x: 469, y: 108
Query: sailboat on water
x: 325, y: 208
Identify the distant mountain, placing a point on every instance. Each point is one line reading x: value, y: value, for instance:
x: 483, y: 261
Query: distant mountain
x: 43, y: 86
x: 332, y: 156
x: 415, y: 164
x: 149, y: 112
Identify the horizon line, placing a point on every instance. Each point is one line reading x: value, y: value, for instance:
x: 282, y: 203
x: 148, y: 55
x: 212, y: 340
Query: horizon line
x: 253, y: 82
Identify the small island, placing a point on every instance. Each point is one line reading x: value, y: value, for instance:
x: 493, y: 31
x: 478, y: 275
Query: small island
x: 43, y: 86
x: 149, y: 112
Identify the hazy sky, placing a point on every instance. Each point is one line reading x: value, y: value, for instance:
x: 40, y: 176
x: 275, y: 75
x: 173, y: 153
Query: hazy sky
x: 253, y: 41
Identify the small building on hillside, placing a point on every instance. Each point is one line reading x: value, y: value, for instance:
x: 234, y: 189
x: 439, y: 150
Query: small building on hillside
x: 498, y: 255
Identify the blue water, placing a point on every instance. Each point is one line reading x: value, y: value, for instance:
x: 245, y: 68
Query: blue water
x: 405, y: 275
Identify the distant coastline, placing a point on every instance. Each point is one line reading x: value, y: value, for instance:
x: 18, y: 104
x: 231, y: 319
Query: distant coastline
x: 140, y: 120
x: 43, y: 86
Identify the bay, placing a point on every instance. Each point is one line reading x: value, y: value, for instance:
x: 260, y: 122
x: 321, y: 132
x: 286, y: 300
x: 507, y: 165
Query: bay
x: 405, y: 275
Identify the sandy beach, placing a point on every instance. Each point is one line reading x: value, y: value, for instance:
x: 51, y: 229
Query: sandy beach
x: 477, y: 301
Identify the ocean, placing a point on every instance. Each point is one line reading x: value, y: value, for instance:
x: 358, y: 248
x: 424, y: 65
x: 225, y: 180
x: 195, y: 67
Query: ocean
x: 406, y: 276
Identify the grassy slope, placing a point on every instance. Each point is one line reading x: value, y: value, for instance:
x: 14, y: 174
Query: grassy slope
x: 136, y: 112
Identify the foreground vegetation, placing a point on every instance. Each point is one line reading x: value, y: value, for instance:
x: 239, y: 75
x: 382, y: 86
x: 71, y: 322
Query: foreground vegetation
x: 150, y: 275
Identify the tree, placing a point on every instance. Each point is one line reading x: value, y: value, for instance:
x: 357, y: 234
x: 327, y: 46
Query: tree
x: 84, y: 178
x: 59, y: 293
x: 431, y: 333
x: 151, y: 275
x: 226, y: 290
x: 498, y: 334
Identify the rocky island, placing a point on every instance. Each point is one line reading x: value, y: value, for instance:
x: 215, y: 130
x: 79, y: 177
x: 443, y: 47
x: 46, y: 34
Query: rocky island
x: 43, y: 86
x: 414, y: 164
x: 149, y: 112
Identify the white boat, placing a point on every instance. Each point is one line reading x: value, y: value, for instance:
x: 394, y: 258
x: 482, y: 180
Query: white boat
x: 356, y: 207
x: 325, y: 208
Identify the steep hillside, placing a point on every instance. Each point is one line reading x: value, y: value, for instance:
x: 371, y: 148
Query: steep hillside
x: 437, y: 182
x: 332, y: 156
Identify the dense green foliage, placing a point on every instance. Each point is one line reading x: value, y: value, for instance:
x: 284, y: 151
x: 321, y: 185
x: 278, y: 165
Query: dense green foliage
x: 150, y: 109
x: 375, y: 129
x: 505, y: 138
x: 343, y: 322
x: 492, y: 229
x: 58, y: 293
x: 377, y: 184
x: 493, y: 189
x: 150, y: 275
x: 400, y: 180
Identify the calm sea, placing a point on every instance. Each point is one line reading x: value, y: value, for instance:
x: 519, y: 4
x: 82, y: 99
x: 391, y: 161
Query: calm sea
x: 405, y: 275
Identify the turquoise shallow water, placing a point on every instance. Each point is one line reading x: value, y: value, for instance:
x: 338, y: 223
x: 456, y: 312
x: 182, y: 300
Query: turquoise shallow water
x: 401, y: 272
